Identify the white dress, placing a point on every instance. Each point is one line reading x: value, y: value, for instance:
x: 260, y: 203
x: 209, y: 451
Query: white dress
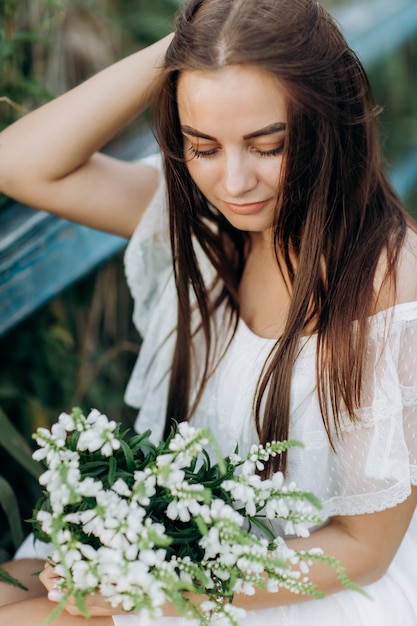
x: 375, y: 462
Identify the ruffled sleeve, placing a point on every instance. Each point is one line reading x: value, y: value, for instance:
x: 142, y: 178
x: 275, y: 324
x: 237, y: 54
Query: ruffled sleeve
x: 148, y: 257
x: 149, y: 274
x: 389, y: 408
x: 374, y: 463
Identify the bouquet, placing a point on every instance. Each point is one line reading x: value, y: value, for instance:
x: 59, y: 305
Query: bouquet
x: 144, y: 524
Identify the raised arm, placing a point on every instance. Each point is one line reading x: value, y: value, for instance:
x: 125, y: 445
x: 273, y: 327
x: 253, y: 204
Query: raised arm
x: 49, y: 158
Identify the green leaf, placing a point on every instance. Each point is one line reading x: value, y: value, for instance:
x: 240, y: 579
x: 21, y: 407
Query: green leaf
x: 130, y: 459
x: 112, y: 470
x: 57, y: 610
x: 16, y: 446
x: 80, y: 602
x: 265, y: 528
x: 5, y: 577
x: 9, y: 504
x: 201, y: 525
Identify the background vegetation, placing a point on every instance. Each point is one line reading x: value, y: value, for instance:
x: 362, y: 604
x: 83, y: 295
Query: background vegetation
x: 80, y: 348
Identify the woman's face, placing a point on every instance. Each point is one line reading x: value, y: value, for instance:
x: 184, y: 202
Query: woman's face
x: 234, y: 121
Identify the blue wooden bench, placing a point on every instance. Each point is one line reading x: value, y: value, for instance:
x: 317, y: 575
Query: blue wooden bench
x: 41, y: 255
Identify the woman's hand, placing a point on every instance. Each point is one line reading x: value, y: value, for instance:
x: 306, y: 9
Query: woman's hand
x: 96, y: 604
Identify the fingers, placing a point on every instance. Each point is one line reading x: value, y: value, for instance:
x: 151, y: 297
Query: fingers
x: 49, y: 577
x: 97, y: 606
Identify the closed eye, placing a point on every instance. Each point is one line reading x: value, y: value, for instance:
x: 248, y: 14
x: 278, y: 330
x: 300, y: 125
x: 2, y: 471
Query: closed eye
x: 273, y: 152
x: 202, y: 154
x: 210, y: 153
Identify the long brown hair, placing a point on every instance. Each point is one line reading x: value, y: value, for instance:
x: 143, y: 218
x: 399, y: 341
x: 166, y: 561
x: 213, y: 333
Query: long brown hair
x: 337, y: 213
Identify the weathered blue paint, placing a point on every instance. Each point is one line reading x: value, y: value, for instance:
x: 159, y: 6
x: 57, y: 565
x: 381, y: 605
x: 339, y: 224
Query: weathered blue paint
x: 41, y: 262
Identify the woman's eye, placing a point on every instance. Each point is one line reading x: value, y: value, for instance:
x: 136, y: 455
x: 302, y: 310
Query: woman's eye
x: 209, y: 153
x: 202, y: 154
x: 272, y: 152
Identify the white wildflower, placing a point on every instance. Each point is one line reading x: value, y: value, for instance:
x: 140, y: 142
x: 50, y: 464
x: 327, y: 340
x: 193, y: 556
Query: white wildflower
x: 59, y: 434
x: 144, y: 487
x: 301, y: 530
x: 100, y: 435
x: 84, y: 577
x: 220, y: 510
x: 88, y: 552
x: 211, y: 543
x: 170, y: 477
x: 277, y: 480
x: 248, y: 468
x: 187, y: 444
x: 183, y: 509
x: 282, y: 551
x: 121, y: 488
x: 67, y: 422
x: 40, y: 454
x: 71, y: 557
x: 304, y: 567
x: 90, y: 488
x: 272, y: 585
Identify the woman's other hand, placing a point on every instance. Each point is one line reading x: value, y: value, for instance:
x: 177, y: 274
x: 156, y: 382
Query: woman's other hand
x: 96, y: 604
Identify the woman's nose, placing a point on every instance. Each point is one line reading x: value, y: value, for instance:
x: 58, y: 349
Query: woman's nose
x: 239, y: 176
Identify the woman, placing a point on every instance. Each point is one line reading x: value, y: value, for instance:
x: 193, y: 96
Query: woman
x: 291, y: 295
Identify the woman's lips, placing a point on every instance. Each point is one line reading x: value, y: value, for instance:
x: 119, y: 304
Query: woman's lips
x: 246, y: 209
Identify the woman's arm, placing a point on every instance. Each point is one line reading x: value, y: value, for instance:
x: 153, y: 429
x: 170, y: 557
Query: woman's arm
x: 49, y: 159
x: 364, y: 544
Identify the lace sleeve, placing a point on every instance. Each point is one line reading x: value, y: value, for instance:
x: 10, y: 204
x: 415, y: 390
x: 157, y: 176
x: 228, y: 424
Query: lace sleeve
x: 378, y: 456
x: 374, y: 460
x: 147, y: 257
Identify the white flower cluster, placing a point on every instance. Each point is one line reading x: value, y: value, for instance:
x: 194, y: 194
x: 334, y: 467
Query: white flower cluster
x: 142, y: 528
x: 277, y: 500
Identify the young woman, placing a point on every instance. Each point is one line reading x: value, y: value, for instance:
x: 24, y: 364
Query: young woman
x: 287, y: 305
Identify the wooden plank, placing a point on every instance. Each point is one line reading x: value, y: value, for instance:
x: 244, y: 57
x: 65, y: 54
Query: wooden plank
x: 45, y: 261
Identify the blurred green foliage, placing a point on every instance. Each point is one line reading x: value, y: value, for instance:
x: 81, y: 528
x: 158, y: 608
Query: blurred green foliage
x: 144, y: 21
x: 394, y: 83
x: 21, y: 45
x: 80, y: 349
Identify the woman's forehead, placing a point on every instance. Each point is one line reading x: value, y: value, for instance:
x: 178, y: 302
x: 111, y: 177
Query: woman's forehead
x: 244, y: 97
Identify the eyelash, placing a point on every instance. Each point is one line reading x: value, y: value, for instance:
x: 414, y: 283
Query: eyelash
x: 209, y: 154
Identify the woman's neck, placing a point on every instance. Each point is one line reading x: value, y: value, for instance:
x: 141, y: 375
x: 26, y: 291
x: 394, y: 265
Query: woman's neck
x: 264, y: 295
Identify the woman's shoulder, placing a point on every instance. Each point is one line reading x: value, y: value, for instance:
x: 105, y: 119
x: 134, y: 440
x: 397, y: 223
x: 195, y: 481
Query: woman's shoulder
x: 406, y: 287
x: 398, y: 287
x: 155, y: 214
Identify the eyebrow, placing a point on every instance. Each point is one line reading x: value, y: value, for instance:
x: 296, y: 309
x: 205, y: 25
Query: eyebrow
x: 267, y: 130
